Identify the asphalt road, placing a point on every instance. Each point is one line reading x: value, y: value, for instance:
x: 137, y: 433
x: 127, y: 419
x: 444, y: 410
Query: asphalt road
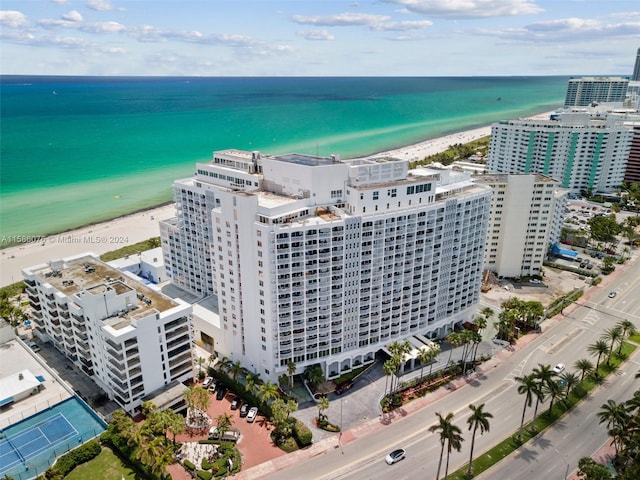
x: 575, y: 436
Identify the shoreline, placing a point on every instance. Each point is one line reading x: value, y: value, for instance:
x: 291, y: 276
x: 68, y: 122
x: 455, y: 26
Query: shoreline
x: 104, y: 236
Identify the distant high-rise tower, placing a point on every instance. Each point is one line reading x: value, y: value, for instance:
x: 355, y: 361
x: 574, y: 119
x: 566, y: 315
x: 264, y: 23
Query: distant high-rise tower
x: 636, y: 69
x: 584, y: 91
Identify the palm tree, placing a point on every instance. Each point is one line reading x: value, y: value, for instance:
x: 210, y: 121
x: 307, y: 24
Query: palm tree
x: 211, y: 359
x: 553, y: 390
x: 424, y: 355
x: 235, y: 370
x: 544, y: 375
x: 251, y: 383
x: 223, y: 423
x: 434, y: 350
x: 201, y: 361
x: 528, y: 387
x: 291, y: 370
x: 450, y: 434
x: 599, y: 348
x: 585, y: 366
x: 613, y: 336
x: 478, y: 418
x: 388, y: 368
x: 224, y: 364
x: 628, y: 328
x: 175, y: 423
x: 268, y: 391
x: 323, y: 404
x: 617, y: 417
x: 570, y: 380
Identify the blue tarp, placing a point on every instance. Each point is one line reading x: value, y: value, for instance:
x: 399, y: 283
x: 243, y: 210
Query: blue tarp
x: 6, y: 401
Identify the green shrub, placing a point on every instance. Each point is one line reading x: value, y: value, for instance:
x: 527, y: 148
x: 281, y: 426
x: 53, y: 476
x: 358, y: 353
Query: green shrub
x: 204, y: 475
x: 205, y: 464
x: 71, y: 460
x: 302, y: 434
x: 188, y: 465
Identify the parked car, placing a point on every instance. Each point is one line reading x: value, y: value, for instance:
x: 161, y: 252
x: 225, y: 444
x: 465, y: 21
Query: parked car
x: 253, y: 413
x: 207, y: 381
x: 395, y: 456
x: 212, y: 387
x: 612, y: 294
x: 558, y: 368
x: 235, y: 403
x: 244, y: 409
x: 229, y: 435
x: 222, y: 391
x: 535, y: 281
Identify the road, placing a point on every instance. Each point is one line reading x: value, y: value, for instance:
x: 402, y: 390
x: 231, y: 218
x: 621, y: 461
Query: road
x: 575, y: 436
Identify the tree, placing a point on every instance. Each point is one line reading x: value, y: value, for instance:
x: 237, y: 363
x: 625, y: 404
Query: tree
x: 455, y: 340
x: 544, y: 376
x: 528, y: 387
x: 570, y: 380
x: 291, y: 370
x: 613, y: 336
x: 478, y: 419
x: 268, y: 391
x: 323, y: 404
x: 553, y: 390
x: 251, y: 383
x: 585, y: 367
x: 434, y: 350
x: 174, y: 422
x: 388, y: 368
x: 424, y: 356
x: 598, y: 349
x: 588, y: 469
x: 627, y: 328
x: 315, y: 375
x: 450, y: 435
x: 223, y: 423
x: 235, y: 370
x: 224, y: 363
x: 616, y: 417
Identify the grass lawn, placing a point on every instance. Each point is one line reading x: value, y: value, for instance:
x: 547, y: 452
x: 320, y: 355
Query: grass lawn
x: 106, y: 466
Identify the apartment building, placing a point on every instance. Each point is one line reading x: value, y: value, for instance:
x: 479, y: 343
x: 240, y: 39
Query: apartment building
x: 317, y: 260
x: 526, y: 219
x: 584, y: 91
x: 128, y: 338
x: 583, y: 149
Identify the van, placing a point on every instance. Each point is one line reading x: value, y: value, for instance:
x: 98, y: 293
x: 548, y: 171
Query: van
x: 228, y: 436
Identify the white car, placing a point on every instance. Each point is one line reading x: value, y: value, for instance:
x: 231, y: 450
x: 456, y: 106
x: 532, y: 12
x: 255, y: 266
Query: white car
x: 253, y: 413
x: 612, y: 294
x: 395, y: 456
x: 558, y: 368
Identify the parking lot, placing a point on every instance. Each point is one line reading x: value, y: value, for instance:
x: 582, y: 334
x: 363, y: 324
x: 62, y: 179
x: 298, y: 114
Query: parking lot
x: 255, y: 443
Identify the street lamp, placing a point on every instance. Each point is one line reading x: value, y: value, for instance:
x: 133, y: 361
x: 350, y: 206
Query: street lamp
x: 566, y: 473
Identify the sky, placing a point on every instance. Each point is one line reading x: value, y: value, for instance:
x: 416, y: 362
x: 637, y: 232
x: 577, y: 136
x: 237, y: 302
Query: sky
x: 319, y: 37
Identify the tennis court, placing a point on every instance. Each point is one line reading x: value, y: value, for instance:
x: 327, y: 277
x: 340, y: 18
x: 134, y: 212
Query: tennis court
x: 21, y: 447
x: 28, y: 447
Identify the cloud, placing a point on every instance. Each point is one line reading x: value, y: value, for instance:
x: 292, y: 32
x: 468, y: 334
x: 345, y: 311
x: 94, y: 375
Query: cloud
x: 13, y: 19
x: 316, y: 35
x: 371, y: 21
x: 60, y: 2
x: 101, y: 5
x: 567, y: 29
x: 72, y: 16
x: 460, y: 9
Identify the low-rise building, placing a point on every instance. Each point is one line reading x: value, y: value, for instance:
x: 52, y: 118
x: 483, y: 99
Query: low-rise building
x: 129, y: 338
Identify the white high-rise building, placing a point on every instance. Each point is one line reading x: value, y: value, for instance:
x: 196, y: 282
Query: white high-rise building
x: 318, y: 260
x: 525, y: 221
x: 128, y: 338
x: 584, y: 91
x: 585, y: 149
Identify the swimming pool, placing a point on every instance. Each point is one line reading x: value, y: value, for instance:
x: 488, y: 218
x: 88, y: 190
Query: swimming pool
x: 29, y: 447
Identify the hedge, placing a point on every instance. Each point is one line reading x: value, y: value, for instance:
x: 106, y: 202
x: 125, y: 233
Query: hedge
x: 204, y: 475
x: 71, y: 460
x: 189, y: 465
x: 302, y: 434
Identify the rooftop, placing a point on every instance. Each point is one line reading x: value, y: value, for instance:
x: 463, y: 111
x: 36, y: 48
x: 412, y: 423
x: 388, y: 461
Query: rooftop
x: 88, y: 274
x: 307, y: 160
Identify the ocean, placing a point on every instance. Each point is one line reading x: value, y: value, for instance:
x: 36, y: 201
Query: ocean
x: 77, y: 150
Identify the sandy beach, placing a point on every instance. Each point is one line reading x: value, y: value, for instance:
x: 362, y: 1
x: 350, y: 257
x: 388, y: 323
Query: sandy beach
x: 114, y: 234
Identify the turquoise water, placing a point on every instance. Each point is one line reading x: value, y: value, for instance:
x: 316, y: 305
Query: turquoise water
x: 85, y: 423
x: 76, y: 150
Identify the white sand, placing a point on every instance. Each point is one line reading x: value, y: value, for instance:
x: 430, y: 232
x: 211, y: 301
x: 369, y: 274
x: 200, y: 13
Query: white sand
x: 113, y: 234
